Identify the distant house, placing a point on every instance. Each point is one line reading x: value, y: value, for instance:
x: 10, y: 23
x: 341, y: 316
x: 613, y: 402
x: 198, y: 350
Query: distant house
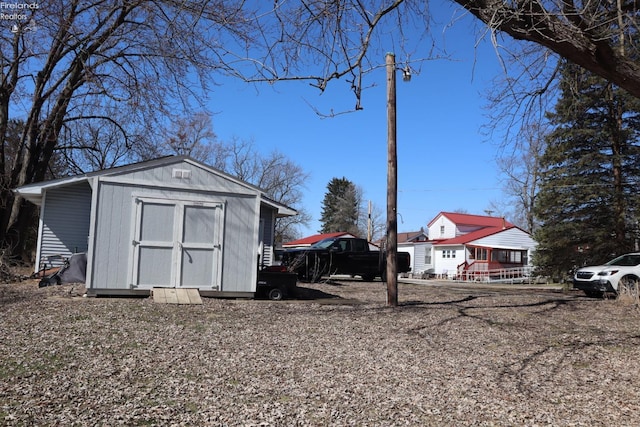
x: 472, y: 246
x: 413, y: 236
x: 415, y: 243
x: 310, y: 240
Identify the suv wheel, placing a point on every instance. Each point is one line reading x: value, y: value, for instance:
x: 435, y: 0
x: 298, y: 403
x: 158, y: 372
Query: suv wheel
x: 628, y: 285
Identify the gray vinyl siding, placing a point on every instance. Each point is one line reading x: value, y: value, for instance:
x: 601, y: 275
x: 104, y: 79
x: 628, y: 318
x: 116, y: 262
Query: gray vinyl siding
x: 240, y: 256
x: 513, y: 238
x: 200, y: 178
x: 65, y: 221
x: 418, y: 260
x: 113, y: 236
x: 267, y: 216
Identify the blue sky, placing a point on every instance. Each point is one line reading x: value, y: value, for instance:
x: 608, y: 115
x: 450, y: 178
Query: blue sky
x: 445, y: 162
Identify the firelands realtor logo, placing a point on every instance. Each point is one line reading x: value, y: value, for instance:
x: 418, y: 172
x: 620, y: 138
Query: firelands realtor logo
x: 21, y: 14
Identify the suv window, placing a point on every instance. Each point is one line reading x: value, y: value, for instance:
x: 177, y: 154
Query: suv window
x: 626, y: 260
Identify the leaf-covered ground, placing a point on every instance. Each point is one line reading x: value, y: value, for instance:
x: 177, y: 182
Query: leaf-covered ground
x: 449, y: 355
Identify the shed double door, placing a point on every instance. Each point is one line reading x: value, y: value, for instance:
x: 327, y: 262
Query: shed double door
x: 177, y: 243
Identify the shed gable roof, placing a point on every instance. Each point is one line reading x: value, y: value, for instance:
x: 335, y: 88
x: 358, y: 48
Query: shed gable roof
x: 34, y: 192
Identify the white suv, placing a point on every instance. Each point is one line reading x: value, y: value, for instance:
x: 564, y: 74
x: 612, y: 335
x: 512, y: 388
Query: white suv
x: 620, y: 272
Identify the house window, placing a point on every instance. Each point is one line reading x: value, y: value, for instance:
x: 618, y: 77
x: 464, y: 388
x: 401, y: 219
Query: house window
x: 482, y: 254
x: 442, y: 230
x: 427, y: 258
x: 447, y: 253
x: 507, y: 256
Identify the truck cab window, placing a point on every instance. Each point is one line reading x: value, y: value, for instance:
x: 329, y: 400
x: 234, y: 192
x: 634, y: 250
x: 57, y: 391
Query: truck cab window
x: 359, y: 246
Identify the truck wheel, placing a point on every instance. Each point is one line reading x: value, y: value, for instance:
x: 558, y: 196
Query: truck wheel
x: 276, y: 294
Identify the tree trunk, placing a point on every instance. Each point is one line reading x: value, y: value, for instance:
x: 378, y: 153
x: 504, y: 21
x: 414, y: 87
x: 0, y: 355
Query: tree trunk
x: 32, y: 162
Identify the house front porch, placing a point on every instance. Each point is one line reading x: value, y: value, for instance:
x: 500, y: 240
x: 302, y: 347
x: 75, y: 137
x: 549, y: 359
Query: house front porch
x: 485, y: 264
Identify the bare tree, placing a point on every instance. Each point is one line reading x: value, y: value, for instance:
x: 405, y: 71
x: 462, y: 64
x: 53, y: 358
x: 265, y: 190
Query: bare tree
x: 599, y: 36
x: 321, y: 41
x: 281, y: 178
x: 76, y: 61
x: 284, y: 180
x: 152, y: 60
x: 521, y: 172
x: 192, y: 136
x: 374, y: 222
x: 89, y: 145
x: 343, y: 35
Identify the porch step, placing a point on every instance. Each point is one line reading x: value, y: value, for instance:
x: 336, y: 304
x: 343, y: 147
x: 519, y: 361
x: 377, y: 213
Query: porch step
x: 176, y: 296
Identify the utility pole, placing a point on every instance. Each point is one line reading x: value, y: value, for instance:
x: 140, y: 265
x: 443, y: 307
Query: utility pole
x: 392, y: 184
x: 369, y: 231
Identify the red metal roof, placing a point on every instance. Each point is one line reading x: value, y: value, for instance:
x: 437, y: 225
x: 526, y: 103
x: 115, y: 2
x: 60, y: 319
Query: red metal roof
x: 310, y: 240
x: 487, y: 225
x: 478, y: 220
x: 474, y: 235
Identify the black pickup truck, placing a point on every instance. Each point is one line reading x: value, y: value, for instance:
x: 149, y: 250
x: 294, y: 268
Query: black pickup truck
x: 341, y: 255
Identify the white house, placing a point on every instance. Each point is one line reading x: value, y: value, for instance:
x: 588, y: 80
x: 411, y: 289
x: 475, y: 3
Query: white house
x: 474, y: 246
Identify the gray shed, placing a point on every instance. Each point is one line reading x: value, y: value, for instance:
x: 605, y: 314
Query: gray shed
x: 169, y: 222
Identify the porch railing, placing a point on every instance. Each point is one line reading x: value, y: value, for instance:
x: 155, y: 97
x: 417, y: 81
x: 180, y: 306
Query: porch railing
x: 502, y: 275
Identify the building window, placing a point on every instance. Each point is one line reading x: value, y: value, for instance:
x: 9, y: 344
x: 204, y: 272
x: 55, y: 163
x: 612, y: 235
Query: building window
x: 448, y: 253
x: 427, y: 258
x: 442, y: 230
x: 506, y: 256
x: 482, y: 254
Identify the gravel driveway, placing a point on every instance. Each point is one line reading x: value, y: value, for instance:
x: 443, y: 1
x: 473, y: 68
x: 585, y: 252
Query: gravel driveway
x: 448, y: 356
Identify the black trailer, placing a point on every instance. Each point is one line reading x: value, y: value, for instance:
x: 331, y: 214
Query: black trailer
x: 276, y: 283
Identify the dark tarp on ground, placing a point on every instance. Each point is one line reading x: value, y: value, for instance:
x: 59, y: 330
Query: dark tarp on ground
x: 76, y: 272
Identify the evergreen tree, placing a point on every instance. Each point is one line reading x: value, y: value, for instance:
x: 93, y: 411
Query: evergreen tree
x: 340, y: 207
x: 591, y: 168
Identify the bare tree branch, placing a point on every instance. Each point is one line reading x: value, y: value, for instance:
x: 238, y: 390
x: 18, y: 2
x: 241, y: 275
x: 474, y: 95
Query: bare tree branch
x: 589, y: 36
